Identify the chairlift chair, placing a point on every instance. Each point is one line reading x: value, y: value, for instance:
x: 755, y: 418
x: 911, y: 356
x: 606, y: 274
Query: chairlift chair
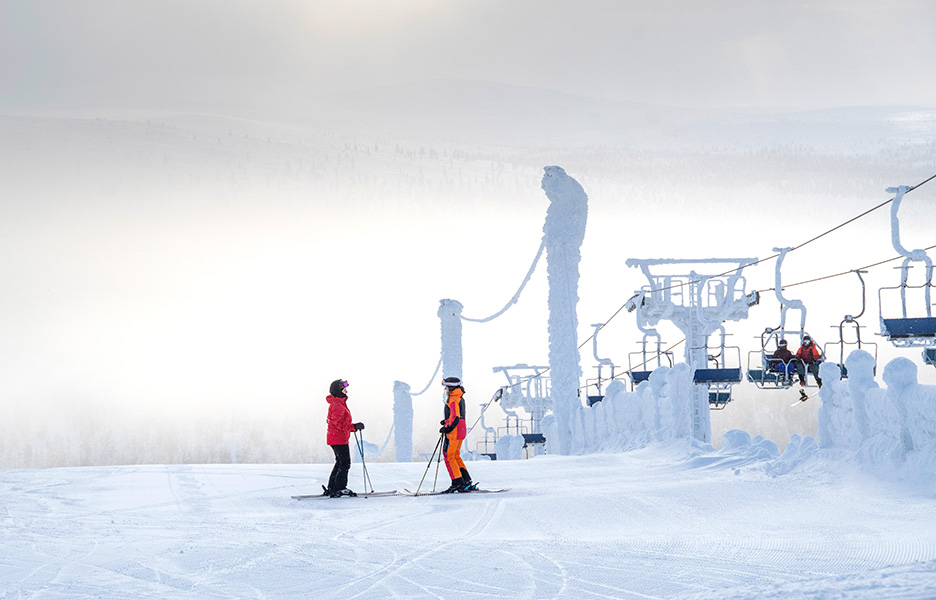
x: 721, y: 373
x: 764, y: 372
x: 905, y: 331
x: 858, y: 344
x: 929, y: 355
x: 643, y: 362
x: 592, y: 399
x: 908, y: 331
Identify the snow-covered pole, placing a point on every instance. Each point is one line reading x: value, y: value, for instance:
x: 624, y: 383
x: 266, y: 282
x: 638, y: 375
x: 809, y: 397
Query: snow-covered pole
x: 451, y: 321
x: 564, y: 233
x: 402, y: 421
x: 917, y: 255
x: 785, y: 303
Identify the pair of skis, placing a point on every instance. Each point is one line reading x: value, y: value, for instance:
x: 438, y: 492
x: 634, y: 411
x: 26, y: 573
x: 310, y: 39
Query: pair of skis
x: 361, y: 495
x: 404, y: 492
x: 441, y: 492
x: 803, y: 397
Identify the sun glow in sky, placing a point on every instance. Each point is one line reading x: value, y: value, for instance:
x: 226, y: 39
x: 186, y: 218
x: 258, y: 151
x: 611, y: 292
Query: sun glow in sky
x: 285, y: 53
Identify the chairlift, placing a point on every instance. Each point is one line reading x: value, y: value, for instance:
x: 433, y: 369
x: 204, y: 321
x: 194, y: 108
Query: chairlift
x: 908, y: 331
x: 721, y: 373
x: 650, y: 357
x: 642, y: 363
x: 769, y: 373
x: 593, y: 399
x: 929, y: 355
x: 829, y: 349
x: 764, y: 371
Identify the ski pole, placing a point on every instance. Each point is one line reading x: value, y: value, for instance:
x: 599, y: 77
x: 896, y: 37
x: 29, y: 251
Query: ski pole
x: 360, y: 444
x: 429, y: 464
x: 497, y: 396
x: 439, y: 461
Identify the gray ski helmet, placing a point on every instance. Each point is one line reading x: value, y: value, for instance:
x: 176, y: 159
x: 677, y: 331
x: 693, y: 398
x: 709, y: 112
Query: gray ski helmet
x: 451, y: 382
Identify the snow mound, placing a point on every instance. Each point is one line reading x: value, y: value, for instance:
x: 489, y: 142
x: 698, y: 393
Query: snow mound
x: 888, y: 431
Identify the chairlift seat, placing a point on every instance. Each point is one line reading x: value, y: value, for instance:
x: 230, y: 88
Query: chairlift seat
x: 639, y: 376
x: 533, y: 438
x: 910, y: 328
x: 763, y: 376
x: 929, y: 356
x: 593, y: 400
x: 717, y: 375
x: 718, y: 400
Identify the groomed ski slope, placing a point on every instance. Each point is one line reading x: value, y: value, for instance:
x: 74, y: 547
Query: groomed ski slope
x: 643, y: 524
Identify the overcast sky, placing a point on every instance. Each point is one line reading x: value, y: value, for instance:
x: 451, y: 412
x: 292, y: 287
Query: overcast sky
x: 715, y: 53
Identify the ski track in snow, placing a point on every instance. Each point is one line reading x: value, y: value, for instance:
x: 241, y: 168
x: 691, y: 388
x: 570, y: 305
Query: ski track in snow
x: 645, y: 527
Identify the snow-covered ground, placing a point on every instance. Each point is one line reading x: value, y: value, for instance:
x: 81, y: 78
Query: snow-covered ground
x: 660, y: 522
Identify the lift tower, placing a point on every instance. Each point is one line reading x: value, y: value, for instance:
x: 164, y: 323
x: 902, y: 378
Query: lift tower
x: 697, y: 304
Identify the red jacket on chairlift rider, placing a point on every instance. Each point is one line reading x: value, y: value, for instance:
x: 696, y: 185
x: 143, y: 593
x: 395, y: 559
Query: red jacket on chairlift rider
x: 811, y: 356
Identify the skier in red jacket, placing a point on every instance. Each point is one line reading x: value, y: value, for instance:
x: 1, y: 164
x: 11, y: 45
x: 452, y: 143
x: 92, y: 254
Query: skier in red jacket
x: 339, y: 431
x: 811, y: 356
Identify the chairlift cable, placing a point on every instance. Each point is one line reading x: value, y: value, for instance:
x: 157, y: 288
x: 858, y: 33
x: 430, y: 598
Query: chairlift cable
x: 757, y: 262
x: 871, y: 266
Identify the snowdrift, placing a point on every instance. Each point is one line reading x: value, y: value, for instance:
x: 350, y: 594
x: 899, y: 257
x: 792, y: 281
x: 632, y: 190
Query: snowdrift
x: 885, y: 431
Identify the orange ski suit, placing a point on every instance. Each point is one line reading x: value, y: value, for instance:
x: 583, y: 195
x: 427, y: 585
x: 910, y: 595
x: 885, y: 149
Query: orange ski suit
x: 454, y: 415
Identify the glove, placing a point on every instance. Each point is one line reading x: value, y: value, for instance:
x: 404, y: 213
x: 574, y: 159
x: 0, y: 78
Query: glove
x: 448, y: 429
x: 358, y: 426
x: 442, y: 422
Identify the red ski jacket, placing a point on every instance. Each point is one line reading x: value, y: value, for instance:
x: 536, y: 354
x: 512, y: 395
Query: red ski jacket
x: 809, y: 354
x: 339, y: 421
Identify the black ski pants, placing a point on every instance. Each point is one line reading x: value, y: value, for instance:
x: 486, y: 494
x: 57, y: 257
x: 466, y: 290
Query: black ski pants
x: 339, y: 475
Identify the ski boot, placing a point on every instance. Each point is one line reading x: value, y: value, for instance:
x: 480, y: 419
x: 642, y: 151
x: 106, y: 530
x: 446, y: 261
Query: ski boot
x: 457, y: 485
x: 467, y: 484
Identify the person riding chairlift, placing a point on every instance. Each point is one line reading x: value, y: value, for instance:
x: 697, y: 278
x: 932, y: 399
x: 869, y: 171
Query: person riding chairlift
x: 781, y: 361
x: 809, y: 357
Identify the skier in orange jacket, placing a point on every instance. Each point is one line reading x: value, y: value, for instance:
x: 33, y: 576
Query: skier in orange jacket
x: 454, y: 428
